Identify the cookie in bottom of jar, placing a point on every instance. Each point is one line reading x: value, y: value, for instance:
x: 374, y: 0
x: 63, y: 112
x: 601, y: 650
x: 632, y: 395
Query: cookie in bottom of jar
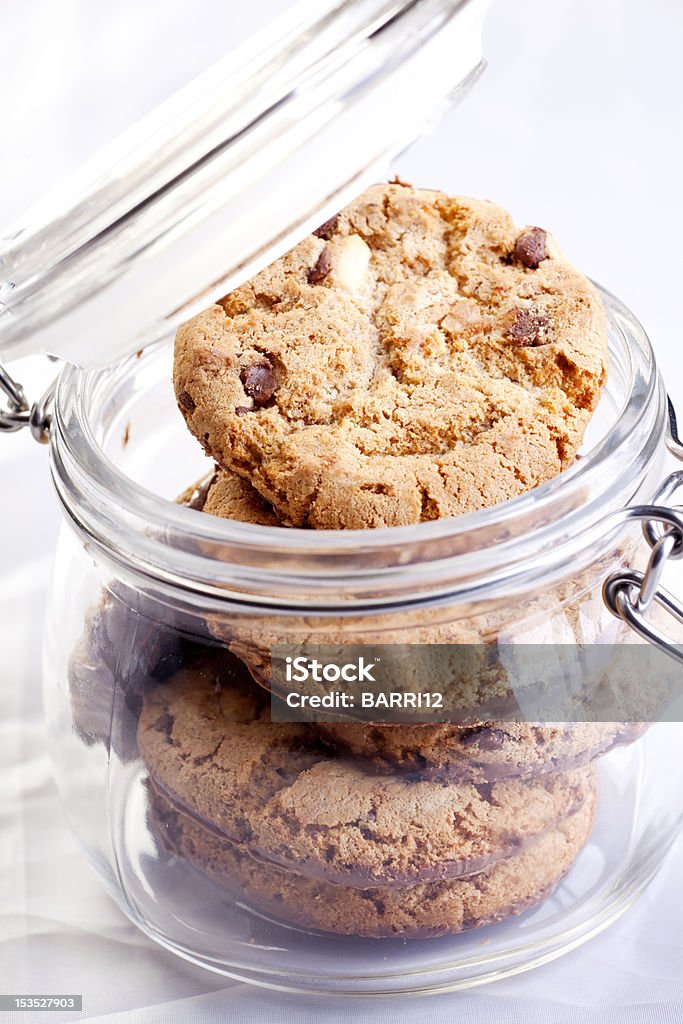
x: 209, y: 744
x: 426, y: 910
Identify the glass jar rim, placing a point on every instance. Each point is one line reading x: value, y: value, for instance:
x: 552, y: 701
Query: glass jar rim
x: 183, y: 549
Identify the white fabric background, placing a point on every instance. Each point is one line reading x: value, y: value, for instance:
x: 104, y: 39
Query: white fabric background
x: 576, y: 125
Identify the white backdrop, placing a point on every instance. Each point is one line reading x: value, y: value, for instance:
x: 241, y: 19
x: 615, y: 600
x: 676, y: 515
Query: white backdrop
x: 575, y: 126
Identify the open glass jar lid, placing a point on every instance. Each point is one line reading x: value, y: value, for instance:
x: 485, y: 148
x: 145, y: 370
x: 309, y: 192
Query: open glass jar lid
x: 230, y: 172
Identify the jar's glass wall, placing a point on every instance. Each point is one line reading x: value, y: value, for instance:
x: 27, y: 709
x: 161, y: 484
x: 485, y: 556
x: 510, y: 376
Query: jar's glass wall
x: 278, y: 851
x: 197, y: 832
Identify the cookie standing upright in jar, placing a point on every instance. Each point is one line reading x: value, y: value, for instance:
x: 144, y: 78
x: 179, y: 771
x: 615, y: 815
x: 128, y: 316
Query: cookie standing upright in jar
x: 416, y: 358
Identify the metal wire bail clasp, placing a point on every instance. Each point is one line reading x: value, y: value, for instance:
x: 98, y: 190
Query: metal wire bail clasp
x: 630, y: 594
x: 19, y: 413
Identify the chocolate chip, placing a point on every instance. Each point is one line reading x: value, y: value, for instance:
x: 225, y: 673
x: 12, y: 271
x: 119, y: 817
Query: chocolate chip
x: 526, y: 328
x: 484, y: 736
x: 164, y: 724
x: 321, y: 269
x: 530, y: 248
x: 259, y: 381
x: 485, y: 791
x: 327, y: 229
x: 199, y: 498
x: 186, y: 401
x: 242, y: 410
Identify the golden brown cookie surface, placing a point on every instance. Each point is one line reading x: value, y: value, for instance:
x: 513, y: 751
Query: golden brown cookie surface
x: 417, y: 358
x: 506, y: 888
x: 273, y: 787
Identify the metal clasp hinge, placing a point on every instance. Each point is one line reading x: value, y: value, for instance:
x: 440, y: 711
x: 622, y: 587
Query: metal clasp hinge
x: 628, y: 593
x: 19, y: 413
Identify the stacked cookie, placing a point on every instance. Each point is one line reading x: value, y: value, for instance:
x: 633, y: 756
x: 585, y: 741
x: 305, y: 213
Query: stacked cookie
x: 416, y: 357
x: 325, y: 841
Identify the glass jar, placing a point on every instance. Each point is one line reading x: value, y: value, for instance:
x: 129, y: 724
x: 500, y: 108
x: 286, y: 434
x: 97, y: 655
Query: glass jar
x: 145, y: 590
x: 322, y: 857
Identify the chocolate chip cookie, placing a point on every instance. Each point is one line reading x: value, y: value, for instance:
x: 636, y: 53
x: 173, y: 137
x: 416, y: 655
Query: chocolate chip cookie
x: 415, y: 358
x: 228, y: 496
x: 506, y: 888
x: 213, y: 751
x: 129, y: 643
x: 483, y: 752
